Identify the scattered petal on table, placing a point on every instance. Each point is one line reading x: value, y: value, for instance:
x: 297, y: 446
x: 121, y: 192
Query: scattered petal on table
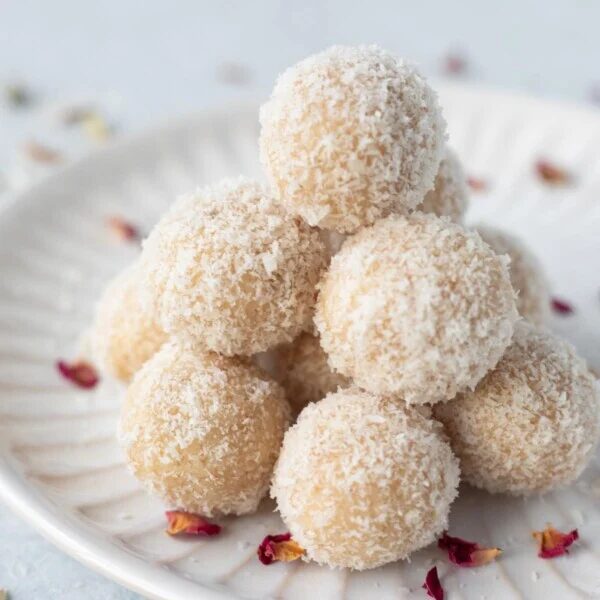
x: 477, y: 184
x: 80, y: 372
x: 18, y: 96
x: 551, y: 173
x: 123, y: 230
x: 432, y: 585
x: 41, y: 153
x: 181, y: 522
x: 553, y: 543
x: 280, y: 547
x: 234, y: 74
x: 454, y: 63
x: 467, y: 554
x: 561, y: 307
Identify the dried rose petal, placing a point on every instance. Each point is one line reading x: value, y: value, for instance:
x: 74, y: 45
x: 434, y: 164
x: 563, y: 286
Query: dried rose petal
x: 476, y: 184
x: 233, y: 73
x: 75, y: 115
x: 279, y: 547
x: 454, y: 64
x: 553, y: 543
x: 96, y: 127
x: 42, y: 154
x: 466, y: 554
x: 81, y: 373
x: 124, y: 230
x: 18, y: 96
x: 551, y: 173
x: 180, y: 522
x: 432, y: 585
x: 561, y: 307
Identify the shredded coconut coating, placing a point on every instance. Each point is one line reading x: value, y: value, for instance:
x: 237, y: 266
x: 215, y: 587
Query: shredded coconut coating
x: 416, y: 306
x: 526, y: 274
x: 450, y: 195
x: 125, y: 334
x: 351, y: 135
x: 532, y: 423
x: 304, y: 372
x: 231, y: 270
x: 363, y: 480
x: 203, y: 431
x: 333, y: 241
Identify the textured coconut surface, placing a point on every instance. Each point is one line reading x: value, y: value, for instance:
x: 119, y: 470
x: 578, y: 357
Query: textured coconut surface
x: 350, y: 135
x: 532, y: 423
x: 363, y: 480
x: 203, y: 431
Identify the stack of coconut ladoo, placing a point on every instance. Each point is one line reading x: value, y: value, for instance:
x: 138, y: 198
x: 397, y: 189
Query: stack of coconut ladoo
x: 391, y: 333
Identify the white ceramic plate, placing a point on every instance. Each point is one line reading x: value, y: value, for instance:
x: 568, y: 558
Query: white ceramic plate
x: 60, y: 467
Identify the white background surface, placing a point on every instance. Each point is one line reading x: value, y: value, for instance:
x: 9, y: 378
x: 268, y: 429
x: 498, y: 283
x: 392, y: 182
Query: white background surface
x: 145, y: 61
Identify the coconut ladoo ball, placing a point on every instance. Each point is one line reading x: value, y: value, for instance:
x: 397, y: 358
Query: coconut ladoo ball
x: 526, y: 274
x: 351, y: 135
x: 227, y: 267
x: 532, y: 423
x: 450, y: 196
x: 125, y: 334
x: 416, y: 306
x: 304, y: 373
x: 364, y: 480
x: 203, y: 431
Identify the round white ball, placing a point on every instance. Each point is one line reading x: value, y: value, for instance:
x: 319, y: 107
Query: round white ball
x: 230, y: 269
x: 416, y: 306
x: 526, y: 274
x: 532, y: 423
x: 203, y: 431
x: 351, y: 135
x: 125, y: 333
x: 362, y: 480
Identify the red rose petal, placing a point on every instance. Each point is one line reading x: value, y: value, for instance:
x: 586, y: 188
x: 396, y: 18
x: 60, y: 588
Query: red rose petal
x: 553, y: 543
x: 280, y: 547
x: 41, y: 153
x: 476, y: 184
x: 561, y: 307
x: 81, y: 373
x: 552, y: 174
x: 466, y: 554
x: 123, y: 230
x: 432, y: 585
x: 454, y: 64
x: 181, y: 522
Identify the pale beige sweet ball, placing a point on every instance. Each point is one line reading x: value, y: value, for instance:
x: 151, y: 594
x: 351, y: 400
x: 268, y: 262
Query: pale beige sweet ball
x: 203, y: 431
x: 351, y: 135
x: 364, y: 480
x: 125, y: 333
x: 450, y: 196
x: 532, y: 423
x: 416, y: 306
x: 526, y: 274
x: 227, y: 267
x: 304, y: 372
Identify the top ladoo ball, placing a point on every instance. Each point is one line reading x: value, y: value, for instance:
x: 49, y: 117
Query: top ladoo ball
x: 351, y: 135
